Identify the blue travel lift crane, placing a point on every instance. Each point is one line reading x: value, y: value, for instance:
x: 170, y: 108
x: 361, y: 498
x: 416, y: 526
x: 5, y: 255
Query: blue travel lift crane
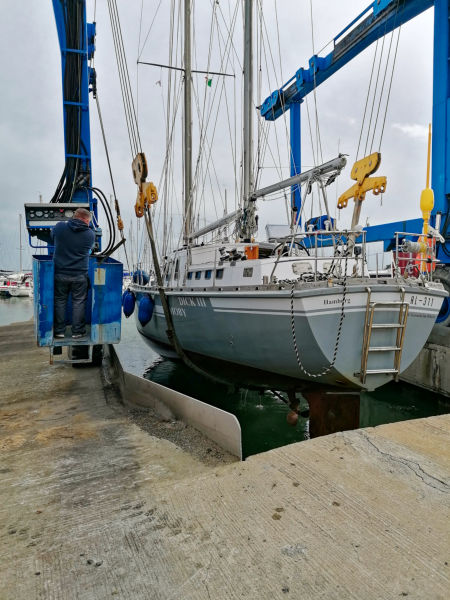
x: 378, y: 19
x: 103, y: 307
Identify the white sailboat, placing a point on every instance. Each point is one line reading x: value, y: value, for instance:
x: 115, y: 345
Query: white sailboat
x: 291, y: 311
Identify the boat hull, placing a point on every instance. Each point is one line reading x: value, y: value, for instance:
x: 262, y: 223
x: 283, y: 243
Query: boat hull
x: 254, y: 329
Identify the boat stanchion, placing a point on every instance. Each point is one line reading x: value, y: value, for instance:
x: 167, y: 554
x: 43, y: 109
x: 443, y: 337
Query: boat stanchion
x: 331, y: 411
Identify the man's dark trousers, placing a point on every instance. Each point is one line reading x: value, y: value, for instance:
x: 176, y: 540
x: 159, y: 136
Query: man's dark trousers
x: 77, y: 286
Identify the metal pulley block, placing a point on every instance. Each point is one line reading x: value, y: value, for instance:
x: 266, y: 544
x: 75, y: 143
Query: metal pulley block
x: 139, y: 167
x: 147, y: 193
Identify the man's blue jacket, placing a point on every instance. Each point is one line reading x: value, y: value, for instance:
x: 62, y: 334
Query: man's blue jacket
x: 73, y: 241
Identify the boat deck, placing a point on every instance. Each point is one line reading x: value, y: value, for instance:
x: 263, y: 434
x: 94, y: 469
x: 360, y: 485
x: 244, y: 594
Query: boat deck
x: 92, y: 506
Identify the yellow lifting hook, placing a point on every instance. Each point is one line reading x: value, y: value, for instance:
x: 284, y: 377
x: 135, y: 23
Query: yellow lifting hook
x: 360, y: 172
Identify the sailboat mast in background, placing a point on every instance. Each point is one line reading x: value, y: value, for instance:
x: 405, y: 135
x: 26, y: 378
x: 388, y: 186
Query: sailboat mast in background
x: 187, y: 130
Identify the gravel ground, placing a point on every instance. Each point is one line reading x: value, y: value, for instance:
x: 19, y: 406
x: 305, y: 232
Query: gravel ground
x: 185, y: 437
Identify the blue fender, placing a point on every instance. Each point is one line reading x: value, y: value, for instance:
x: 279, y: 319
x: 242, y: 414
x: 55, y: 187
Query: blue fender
x: 140, y: 276
x: 128, y: 303
x: 145, y: 312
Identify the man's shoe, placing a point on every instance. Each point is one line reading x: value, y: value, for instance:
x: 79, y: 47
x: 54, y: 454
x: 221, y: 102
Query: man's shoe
x: 60, y: 335
x: 78, y: 336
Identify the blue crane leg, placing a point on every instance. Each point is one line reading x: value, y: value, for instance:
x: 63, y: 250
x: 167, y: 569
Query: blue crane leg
x: 440, y: 173
x: 84, y: 49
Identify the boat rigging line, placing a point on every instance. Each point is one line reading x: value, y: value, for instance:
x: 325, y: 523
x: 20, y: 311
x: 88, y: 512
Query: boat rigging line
x: 147, y: 195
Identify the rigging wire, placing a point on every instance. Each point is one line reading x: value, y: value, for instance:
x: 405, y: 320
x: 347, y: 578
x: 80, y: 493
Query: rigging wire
x: 318, y: 138
x: 149, y: 31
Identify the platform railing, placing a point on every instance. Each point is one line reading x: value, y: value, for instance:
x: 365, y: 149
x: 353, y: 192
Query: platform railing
x: 412, y: 267
x: 343, y: 243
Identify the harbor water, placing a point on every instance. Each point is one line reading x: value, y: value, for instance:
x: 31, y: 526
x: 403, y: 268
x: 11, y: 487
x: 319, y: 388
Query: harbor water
x: 262, y: 415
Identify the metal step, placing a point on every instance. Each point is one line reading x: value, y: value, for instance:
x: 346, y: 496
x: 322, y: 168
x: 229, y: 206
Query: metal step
x: 381, y: 371
x: 387, y: 326
x: 393, y: 303
x: 384, y: 349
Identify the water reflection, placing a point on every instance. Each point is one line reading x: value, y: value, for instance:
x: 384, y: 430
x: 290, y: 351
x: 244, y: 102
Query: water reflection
x: 15, y: 309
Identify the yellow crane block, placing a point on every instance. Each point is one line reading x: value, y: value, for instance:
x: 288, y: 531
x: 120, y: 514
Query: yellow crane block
x: 360, y: 172
x: 147, y: 193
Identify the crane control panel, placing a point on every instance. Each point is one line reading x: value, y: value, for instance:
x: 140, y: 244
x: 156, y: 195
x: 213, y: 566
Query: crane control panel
x: 40, y: 218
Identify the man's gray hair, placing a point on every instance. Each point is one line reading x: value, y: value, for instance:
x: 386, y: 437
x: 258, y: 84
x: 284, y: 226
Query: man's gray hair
x: 82, y: 213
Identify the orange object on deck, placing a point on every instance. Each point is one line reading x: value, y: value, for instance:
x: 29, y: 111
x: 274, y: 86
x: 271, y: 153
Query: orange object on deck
x: 252, y: 252
x: 425, y: 260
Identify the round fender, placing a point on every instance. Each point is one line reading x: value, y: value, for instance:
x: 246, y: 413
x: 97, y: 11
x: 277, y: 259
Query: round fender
x: 141, y: 277
x: 145, y: 311
x: 128, y: 303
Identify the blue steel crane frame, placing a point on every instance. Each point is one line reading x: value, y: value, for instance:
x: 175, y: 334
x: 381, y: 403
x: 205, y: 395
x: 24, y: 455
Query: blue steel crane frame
x: 103, y: 305
x: 85, y: 50
x: 378, y: 19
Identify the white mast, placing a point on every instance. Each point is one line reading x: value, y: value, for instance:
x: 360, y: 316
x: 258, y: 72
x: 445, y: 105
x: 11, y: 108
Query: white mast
x: 187, y: 129
x: 20, y: 243
x: 248, y: 224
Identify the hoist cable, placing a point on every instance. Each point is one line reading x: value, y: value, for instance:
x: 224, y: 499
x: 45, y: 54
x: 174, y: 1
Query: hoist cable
x: 122, y: 85
x: 389, y: 90
x: 384, y: 81
x: 125, y: 85
x: 127, y: 80
x: 374, y: 97
x: 367, y: 99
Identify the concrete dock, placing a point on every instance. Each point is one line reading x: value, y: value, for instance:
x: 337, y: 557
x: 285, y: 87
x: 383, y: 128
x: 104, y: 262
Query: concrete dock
x: 96, y: 504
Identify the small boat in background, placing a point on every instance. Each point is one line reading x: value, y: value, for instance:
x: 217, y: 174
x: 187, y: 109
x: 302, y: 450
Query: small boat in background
x: 17, y: 285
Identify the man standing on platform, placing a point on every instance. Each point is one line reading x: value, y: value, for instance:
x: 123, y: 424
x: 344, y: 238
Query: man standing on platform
x: 73, y: 241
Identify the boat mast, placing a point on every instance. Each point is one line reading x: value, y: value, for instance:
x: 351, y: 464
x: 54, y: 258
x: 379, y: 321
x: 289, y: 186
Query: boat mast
x: 247, y: 225
x: 20, y: 243
x: 187, y: 130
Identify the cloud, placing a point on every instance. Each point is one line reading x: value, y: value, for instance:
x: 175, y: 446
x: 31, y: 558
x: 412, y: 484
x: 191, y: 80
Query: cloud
x: 413, y: 130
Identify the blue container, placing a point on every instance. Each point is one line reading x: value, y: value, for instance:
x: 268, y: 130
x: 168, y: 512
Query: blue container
x: 103, y: 305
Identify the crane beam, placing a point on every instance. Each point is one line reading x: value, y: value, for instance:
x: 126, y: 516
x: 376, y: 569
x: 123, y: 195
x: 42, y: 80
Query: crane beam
x: 378, y: 19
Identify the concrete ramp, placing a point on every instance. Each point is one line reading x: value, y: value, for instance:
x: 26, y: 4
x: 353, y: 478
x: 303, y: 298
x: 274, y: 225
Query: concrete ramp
x: 92, y: 507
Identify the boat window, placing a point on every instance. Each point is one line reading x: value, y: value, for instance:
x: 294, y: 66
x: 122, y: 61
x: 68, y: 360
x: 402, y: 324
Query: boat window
x: 248, y: 272
x: 190, y: 275
x: 177, y: 269
x: 208, y: 274
x: 198, y: 274
x: 219, y: 274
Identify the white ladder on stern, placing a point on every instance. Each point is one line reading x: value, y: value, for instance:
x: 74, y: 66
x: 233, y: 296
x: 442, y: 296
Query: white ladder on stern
x: 400, y: 325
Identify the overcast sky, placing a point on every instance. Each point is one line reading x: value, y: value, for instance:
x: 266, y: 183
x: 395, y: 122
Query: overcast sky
x: 31, y: 126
